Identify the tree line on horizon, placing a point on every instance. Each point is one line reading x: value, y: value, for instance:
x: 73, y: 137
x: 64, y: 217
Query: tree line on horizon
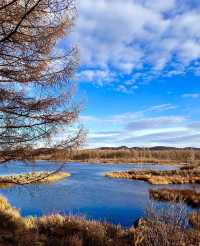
x: 187, y: 155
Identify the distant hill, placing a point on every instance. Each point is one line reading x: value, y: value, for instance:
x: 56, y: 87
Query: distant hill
x: 158, y: 148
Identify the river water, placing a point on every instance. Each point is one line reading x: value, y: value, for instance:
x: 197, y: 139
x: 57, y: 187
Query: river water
x: 86, y: 193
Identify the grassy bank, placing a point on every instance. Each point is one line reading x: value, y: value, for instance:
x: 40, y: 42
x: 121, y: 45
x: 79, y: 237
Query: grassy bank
x: 57, y: 230
x: 180, y: 176
x: 191, y: 197
x: 129, y: 161
x: 34, y: 177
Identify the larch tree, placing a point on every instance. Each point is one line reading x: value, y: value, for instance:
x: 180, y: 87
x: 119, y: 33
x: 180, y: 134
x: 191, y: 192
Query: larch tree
x: 36, y: 86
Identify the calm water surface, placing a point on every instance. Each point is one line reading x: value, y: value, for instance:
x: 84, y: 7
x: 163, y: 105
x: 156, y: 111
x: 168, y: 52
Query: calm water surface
x: 87, y: 192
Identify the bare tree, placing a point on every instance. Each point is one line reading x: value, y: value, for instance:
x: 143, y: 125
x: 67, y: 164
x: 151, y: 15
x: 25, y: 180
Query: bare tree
x: 35, y: 77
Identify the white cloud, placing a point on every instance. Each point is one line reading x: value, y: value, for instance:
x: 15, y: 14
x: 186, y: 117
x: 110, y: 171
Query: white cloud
x: 162, y: 107
x: 154, y: 123
x: 140, y: 129
x: 129, y: 117
x: 88, y: 118
x: 96, y: 76
x: 160, y: 6
x: 191, y: 95
x: 177, y: 136
x: 117, y: 119
x: 122, y: 88
x: 123, y: 37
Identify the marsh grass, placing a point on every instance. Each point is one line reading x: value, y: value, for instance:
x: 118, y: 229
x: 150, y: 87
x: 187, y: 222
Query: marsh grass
x: 161, y: 227
x: 194, y: 220
x: 167, y: 226
x: 179, y: 176
x: 58, y: 230
x: 130, y: 155
x: 188, y: 196
x: 34, y: 177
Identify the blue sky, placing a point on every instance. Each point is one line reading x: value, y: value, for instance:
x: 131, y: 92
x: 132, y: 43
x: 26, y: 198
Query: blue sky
x: 139, y: 72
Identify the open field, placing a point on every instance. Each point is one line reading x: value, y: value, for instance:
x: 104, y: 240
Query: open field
x: 34, y: 177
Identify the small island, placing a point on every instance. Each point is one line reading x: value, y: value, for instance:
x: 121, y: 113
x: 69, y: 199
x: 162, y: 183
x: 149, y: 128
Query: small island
x: 179, y: 176
x: 32, y: 178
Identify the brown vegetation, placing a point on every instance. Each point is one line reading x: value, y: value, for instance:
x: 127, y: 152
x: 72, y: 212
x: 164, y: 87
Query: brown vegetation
x: 191, y: 197
x: 158, y: 229
x: 29, y: 178
x: 138, y: 155
x: 167, y: 227
x: 127, y: 155
x: 57, y: 230
x: 160, y: 177
x: 116, y: 155
x: 194, y: 220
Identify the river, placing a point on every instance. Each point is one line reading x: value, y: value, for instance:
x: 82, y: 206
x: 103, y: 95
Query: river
x: 86, y: 193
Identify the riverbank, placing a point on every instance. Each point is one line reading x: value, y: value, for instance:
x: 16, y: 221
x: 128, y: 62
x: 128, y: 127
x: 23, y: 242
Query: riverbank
x: 188, y: 196
x: 179, y: 176
x: 30, y: 178
x: 60, y: 230
x: 128, y: 161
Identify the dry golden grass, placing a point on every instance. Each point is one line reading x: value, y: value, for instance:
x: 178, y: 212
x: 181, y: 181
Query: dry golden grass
x: 160, y: 177
x: 194, y: 220
x: 191, y: 197
x: 9, y: 216
x: 57, y: 230
x: 34, y: 177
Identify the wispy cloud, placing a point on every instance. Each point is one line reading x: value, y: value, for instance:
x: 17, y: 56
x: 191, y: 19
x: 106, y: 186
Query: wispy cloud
x: 162, y: 107
x: 96, y: 76
x: 129, y: 117
x: 114, y: 119
x: 194, y: 125
x: 139, y: 129
x: 191, y: 95
x: 126, y: 88
x: 154, y: 123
